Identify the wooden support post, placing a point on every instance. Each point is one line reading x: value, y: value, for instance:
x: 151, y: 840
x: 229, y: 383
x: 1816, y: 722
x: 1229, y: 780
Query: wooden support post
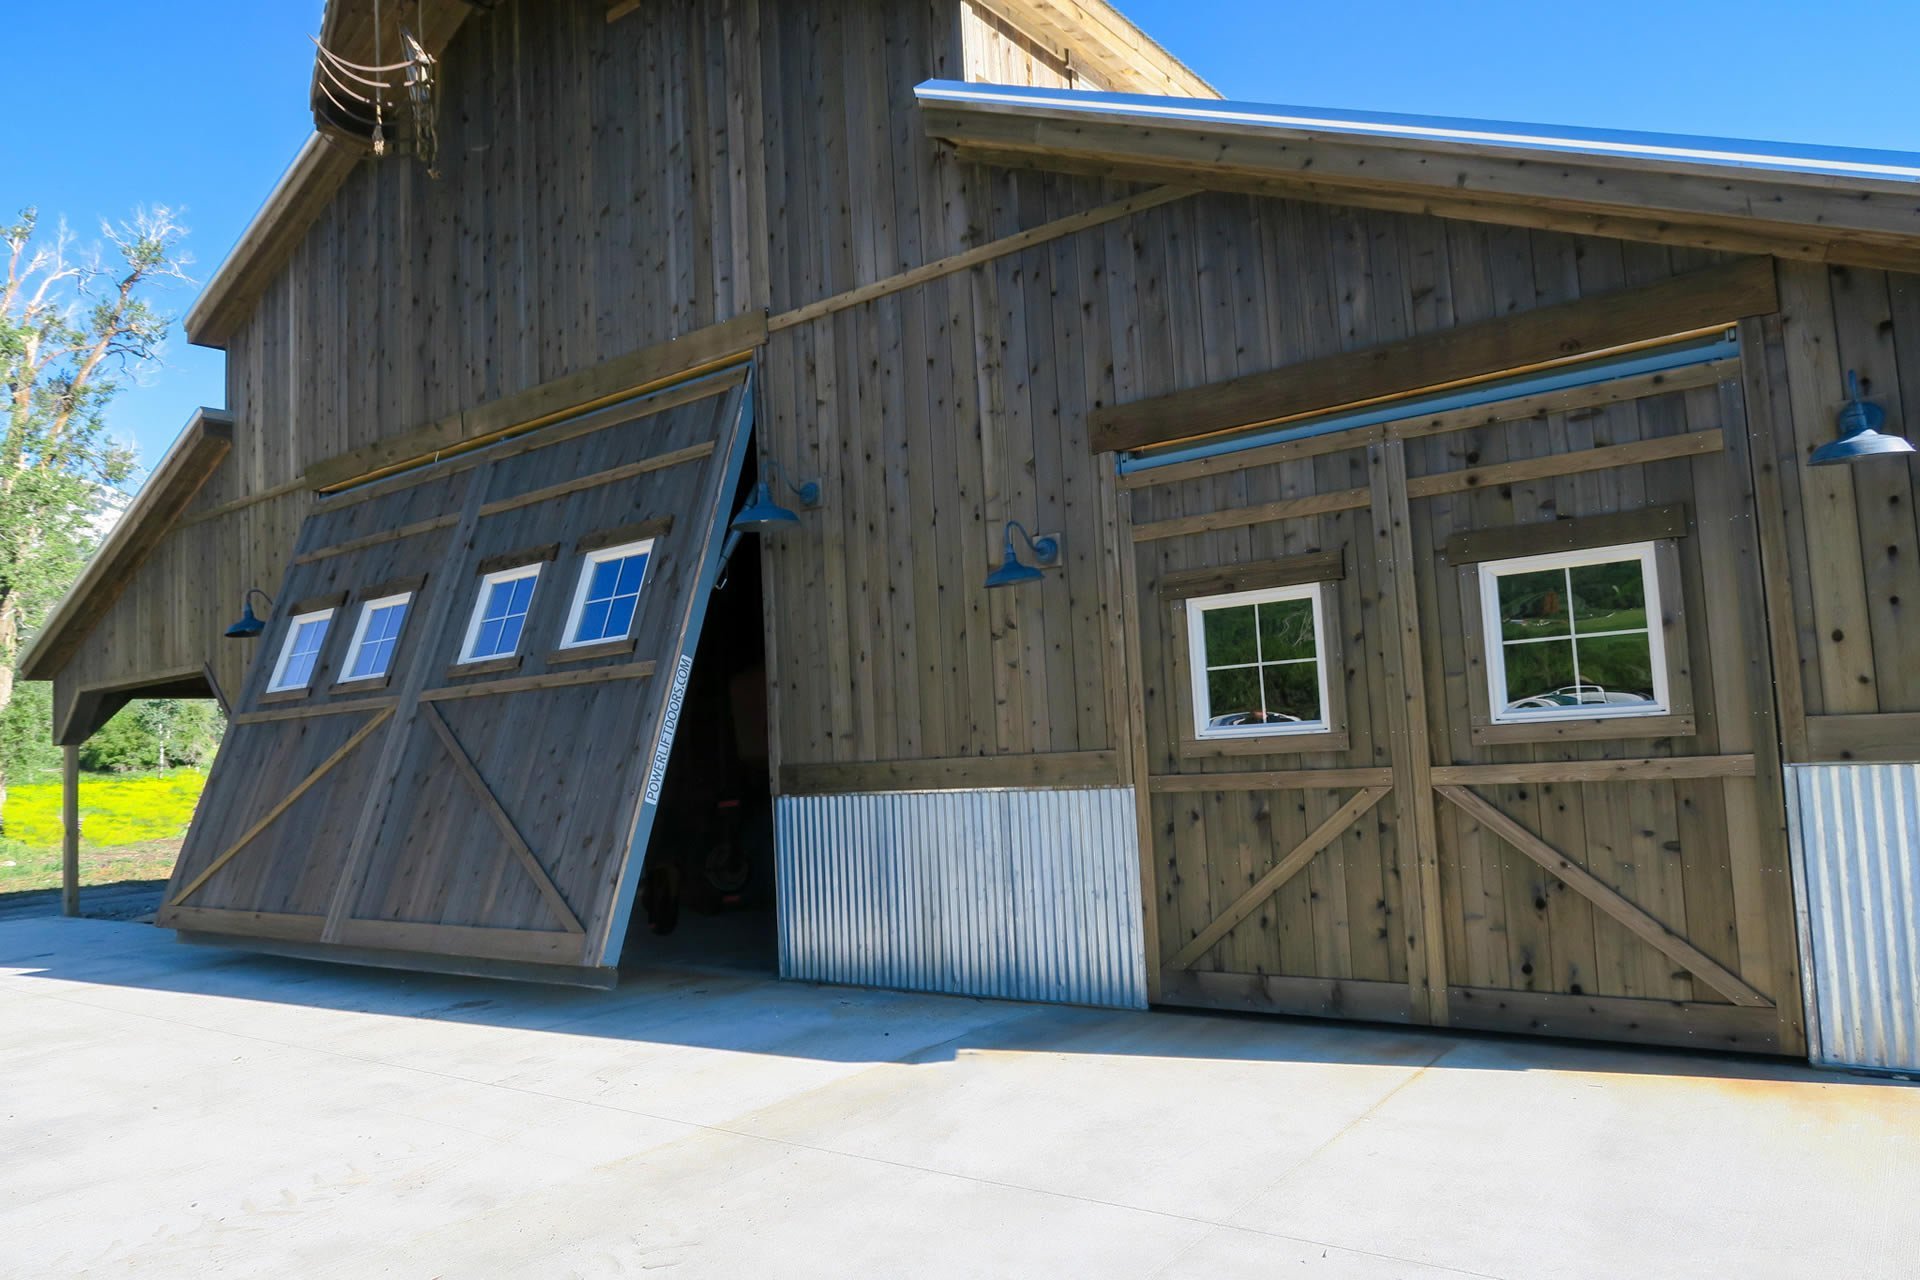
x: 70, y: 831
x: 1417, y: 833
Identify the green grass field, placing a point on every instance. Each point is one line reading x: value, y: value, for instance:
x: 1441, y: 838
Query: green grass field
x: 130, y: 828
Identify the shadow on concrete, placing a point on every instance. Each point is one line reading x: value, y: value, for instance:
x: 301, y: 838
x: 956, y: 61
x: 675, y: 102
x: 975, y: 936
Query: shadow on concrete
x: 127, y: 900
x: 719, y: 1006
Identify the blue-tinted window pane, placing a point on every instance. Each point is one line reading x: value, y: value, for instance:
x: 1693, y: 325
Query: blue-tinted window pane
x: 620, y: 615
x: 385, y: 622
x: 593, y: 621
x: 303, y: 652
x: 510, y: 629
x: 486, y: 642
x: 612, y: 598
x: 601, y: 582
x: 377, y: 642
x: 299, y: 671
x: 503, y: 616
x: 520, y: 595
x: 632, y: 569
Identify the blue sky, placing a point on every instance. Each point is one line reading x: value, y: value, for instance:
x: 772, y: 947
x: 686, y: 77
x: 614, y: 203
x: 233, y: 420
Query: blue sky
x: 200, y: 104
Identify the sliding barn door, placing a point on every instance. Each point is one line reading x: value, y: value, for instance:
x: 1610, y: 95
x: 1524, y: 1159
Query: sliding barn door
x: 480, y: 788
x: 1466, y: 719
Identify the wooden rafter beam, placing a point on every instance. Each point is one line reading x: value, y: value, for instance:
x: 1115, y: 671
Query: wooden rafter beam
x: 1605, y: 897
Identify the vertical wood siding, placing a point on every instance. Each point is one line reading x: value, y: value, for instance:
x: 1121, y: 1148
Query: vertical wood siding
x: 1853, y: 543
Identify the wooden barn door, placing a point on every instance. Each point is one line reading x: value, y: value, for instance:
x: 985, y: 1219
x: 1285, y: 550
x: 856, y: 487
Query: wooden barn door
x: 1422, y: 854
x: 492, y: 808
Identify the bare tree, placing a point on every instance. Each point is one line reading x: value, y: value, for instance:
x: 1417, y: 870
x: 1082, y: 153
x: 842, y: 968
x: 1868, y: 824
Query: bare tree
x: 73, y: 322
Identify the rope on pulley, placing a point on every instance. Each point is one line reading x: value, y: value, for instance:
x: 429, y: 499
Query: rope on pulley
x: 366, y: 95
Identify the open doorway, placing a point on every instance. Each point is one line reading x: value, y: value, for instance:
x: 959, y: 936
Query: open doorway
x: 707, y: 895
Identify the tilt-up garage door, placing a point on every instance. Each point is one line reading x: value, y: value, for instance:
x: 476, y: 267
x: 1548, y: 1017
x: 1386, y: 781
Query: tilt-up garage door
x: 450, y: 743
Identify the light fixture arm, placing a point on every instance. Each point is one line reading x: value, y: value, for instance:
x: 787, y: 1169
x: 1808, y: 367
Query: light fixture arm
x: 807, y: 491
x: 1045, y: 549
x: 248, y: 626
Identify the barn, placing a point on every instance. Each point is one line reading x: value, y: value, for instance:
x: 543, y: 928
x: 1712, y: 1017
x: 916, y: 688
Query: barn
x: 932, y: 479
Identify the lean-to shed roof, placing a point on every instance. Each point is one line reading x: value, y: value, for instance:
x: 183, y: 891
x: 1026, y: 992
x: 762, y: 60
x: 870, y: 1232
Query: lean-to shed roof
x: 1829, y: 204
x: 161, y: 500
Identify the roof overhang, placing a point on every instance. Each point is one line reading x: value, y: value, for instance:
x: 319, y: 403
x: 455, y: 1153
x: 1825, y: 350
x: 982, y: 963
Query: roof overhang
x: 322, y: 165
x: 368, y: 34
x: 1094, y: 35
x: 1821, y: 203
x: 161, y: 501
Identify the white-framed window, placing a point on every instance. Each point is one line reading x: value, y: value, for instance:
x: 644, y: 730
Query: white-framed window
x: 300, y: 651
x: 1257, y: 660
x: 375, y: 637
x: 1574, y: 635
x: 500, y: 614
x: 608, y: 595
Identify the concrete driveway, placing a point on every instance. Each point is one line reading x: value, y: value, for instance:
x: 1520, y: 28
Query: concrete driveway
x: 171, y: 1110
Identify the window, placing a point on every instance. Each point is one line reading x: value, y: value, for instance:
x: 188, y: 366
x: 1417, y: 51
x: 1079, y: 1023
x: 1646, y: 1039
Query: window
x: 1574, y: 635
x: 608, y: 595
x: 500, y: 614
x: 306, y: 636
x: 377, y: 635
x: 1257, y: 662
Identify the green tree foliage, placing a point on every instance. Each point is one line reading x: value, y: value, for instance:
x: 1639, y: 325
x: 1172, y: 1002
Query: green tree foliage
x: 73, y: 323
x: 155, y: 733
x: 26, y: 735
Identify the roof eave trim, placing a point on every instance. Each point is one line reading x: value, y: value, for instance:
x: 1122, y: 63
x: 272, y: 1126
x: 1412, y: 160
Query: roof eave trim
x: 162, y: 500
x: 1892, y: 172
x: 296, y: 200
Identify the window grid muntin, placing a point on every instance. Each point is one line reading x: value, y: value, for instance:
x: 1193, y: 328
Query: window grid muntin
x: 384, y: 643
x: 584, y: 603
x: 1496, y: 644
x: 1198, y: 607
x: 300, y: 659
x: 517, y: 608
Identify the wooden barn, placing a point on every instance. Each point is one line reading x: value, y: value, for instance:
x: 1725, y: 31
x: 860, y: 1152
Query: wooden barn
x: 930, y: 478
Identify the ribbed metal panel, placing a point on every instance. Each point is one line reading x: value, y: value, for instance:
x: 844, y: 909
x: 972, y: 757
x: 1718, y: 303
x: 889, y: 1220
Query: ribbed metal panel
x: 1024, y: 895
x: 1856, y: 837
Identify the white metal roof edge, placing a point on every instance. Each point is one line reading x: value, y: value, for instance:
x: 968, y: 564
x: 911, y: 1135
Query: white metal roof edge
x: 1896, y: 166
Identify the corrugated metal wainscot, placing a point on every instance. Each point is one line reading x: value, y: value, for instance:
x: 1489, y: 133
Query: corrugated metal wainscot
x: 1856, y: 836
x: 1024, y: 895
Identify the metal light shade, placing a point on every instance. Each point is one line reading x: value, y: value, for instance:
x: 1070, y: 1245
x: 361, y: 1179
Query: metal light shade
x: 762, y: 512
x: 1013, y: 571
x: 1860, y: 434
x: 249, y: 625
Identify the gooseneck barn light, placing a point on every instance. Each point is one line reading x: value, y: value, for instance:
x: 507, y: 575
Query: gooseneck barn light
x: 1860, y: 434
x: 1014, y: 571
x: 249, y: 626
x: 762, y: 513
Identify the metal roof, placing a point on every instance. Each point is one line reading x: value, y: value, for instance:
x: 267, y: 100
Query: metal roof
x: 1845, y: 162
